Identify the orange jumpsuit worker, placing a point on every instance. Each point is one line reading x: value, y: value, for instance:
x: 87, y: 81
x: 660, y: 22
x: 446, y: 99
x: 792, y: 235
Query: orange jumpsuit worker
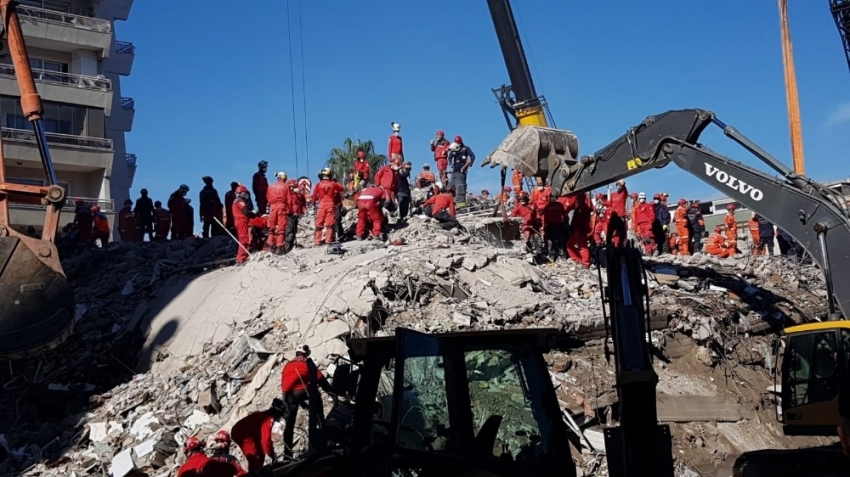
x: 328, y: 194
x: 716, y: 244
x: 753, y: 224
x: 241, y: 217
x: 440, y: 148
x: 516, y: 181
x: 221, y: 453
x: 425, y: 178
x: 731, y: 229
x: 632, y: 219
x: 369, y: 210
x: 395, y: 148
x: 278, y: 195
x: 673, y: 243
x: 680, y: 218
x: 541, y: 195
x: 260, y: 185
x: 162, y: 218
x: 253, y: 434
x: 529, y: 220
x: 363, y: 169
x: 127, y: 223
x: 580, y: 231
x: 101, y: 226
x: 294, y: 382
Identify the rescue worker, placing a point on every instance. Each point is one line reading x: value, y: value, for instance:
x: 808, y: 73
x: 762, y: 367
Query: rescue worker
x: 516, y: 181
x: 432, y: 191
x: 221, y: 453
x: 294, y: 382
x: 673, y: 243
x: 731, y: 229
x: 189, y: 231
x: 177, y: 207
x: 229, y: 197
x: 441, y: 208
x: 440, y: 148
x: 460, y: 160
x: 163, y: 222
x: 644, y: 217
x: 83, y: 218
x: 632, y: 222
x: 404, y: 191
x: 253, y: 434
x: 127, y: 222
x: 529, y: 218
x: 697, y: 226
x: 211, y: 208
x: 766, y: 235
x: 362, y: 171
x: 242, y: 214
x: 717, y: 244
x: 753, y: 224
x: 279, y: 197
x: 580, y: 231
x: 328, y: 194
x: 661, y: 223
x: 425, y: 178
x: 683, y: 227
x: 369, y: 205
x: 260, y: 185
x: 144, y: 215
x: 485, y: 194
x: 196, y: 459
x: 785, y: 242
x: 101, y: 226
x: 618, y: 201
x: 541, y: 195
x: 387, y: 179
x: 297, y: 208
x: 555, y: 228
x: 504, y: 196
x: 395, y: 147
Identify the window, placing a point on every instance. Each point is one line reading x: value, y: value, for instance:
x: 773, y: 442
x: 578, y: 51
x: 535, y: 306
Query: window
x: 813, y: 367
x: 424, y: 417
x: 47, y: 5
x: 47, y: 70
x: 58, y: 118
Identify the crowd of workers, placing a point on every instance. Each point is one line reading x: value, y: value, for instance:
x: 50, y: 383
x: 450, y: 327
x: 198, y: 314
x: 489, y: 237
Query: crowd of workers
x: 253, y: 433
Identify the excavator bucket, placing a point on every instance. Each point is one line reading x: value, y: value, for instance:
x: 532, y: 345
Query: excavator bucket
x: 535, y: 151
x: 36, y: 302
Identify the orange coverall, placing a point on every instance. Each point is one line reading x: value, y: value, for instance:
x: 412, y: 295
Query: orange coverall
x: 754, y: 233
x: 278, y: 195
x: 681, y: 221
x: 328, y: 194
x: 716, y: 246
x: 731, y: 232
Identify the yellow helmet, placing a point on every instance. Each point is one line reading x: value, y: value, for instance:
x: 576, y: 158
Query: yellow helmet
x: 327, y: 172
x: 280, y: 175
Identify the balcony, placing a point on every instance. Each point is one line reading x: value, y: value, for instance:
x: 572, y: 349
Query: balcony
x: 130, y: 159
x: 94, y: 91
x: 59, y: 31
x: 73, y: 153
x: 25, y: 215
x: 128, y: 103
x: 120, y: 61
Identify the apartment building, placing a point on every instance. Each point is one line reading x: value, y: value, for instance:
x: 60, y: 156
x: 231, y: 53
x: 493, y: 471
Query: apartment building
x: 77, y: 64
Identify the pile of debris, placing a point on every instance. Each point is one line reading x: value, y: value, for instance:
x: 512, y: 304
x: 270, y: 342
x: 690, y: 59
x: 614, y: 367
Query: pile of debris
x: 194, y: 380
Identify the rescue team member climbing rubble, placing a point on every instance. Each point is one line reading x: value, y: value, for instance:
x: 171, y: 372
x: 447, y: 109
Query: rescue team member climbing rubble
x: 327, y: 194
x: 221, y: 453
x: 460, y: 159
x: 362, y: 171
x: 294, y: 381
x: 242, y: 213
x: 253, y: 434
x: 440, y: 148
x: 369, y: 205
x: 279, y: 198
x: 395, y: 148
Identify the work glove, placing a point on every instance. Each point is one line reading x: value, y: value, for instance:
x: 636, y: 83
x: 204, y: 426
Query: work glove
x: 664, y: 227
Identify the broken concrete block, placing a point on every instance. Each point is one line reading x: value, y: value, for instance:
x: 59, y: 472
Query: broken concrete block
x: 208, y: 400
x: 462, y: 320
x: 122, y: 464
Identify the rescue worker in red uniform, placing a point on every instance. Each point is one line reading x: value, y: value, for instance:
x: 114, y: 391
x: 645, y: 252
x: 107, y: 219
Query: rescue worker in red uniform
x: 211, y: 208
x: 717, y: 245
x: 242, y: 214
x: 516, y: 181
x: 179, y: 214
x: 260, y: 185
x: 328, y: 194
x: 555, y: 228
x: 387, y: 179
x: 297, y: 208
x: 362, y: 171
x: 84, y: 218
x: 221, y: 453
x: 369, y: 206
x: 440, y: 148
x: 229, y: 197
x: 127, y: 223
x: 279, y: 197
x: 101, y: 226
x: 529, y: 219
x: 683, y: 231
x: 441, y: 207
x: 425, y: 178
x: 196, y: 460
x: 294, y: 380
x: 618, y: 201
x: 731, y: 229
x: 580, y: 231
x: 541, y: 195
x: 395, y: 148
x: 644, y: 217
x: 253, y: 434
x: 163, y: 222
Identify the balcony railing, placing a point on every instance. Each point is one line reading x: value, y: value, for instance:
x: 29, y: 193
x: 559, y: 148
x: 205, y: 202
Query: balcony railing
x: 125, y: 47
x: 55, y: 139
x: 96, y: 83
x: 131, y: 159
x: 59, y: 18
x: 128, y: 103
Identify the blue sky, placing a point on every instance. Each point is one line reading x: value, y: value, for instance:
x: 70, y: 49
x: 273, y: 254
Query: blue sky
x: 212, y: 82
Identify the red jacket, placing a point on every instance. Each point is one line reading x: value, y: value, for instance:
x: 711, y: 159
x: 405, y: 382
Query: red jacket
x: 395, y: 146
x: 583, y: 209
x: 363, y: 168
x: 327, y: 192
x: 441, y: 149
x: 101, y: 223
x: 644, y: 214
x: 278, y: 195
x: 232, y: 463
x: 618, y: 202
x: 554, y: 213
x: 240, y: 211
x: 253, y: 434
x: 372, y: 195
x: 260, y: 184
x: 194, y: 466
x: 296, y: 375
x: 387, y: 178
x: 297, y: 202
x: 540, y: 197
x: 441, y: 202
x: 525, y: 212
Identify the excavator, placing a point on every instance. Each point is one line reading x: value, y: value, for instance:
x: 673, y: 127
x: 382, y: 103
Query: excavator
x: 36, y: 301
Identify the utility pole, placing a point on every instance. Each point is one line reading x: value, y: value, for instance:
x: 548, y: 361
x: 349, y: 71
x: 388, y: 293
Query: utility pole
x: 791, y: 97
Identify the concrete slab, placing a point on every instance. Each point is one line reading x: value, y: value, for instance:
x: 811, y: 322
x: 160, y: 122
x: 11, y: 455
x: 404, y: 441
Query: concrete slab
x: 699, y: 408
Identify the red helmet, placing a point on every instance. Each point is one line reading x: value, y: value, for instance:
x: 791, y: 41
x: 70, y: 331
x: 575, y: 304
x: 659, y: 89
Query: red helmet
x: 292, y: 183
x: 731, y: 207
x: 633, y: 195
x: 522, y: 195
x: 241, y: 188
x: 193, y: 444
x: 600, y: 196
x: 222, y: 439
x: 718, y: 229
x: 683, y: 202
x: 458, y: 139
x: 440, y: 132
x: 508, y: 188
x: 656, y: 196
x: 361, y: 155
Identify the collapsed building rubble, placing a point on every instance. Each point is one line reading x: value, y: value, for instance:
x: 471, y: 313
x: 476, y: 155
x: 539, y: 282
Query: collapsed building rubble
x: 162, y: 351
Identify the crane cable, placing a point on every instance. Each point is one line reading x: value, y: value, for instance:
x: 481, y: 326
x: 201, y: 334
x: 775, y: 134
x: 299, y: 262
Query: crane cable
x: 303, y: 87
x: 292, y: 90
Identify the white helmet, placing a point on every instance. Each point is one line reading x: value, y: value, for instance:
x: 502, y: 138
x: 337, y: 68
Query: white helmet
x: 642, y: 195
x: 303, y: 349
x: 280, y: 175
x: 396, y: 127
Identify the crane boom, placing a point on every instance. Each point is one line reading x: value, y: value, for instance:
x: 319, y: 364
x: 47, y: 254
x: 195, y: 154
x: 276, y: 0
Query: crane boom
x: 841, y: 13
x: 791, y: 96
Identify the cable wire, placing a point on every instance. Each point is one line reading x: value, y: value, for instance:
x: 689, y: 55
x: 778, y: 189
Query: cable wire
x: 303, y: 87
x: 292, y: 91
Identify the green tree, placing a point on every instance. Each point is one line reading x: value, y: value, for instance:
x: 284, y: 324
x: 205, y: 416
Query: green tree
x: 341, y: 159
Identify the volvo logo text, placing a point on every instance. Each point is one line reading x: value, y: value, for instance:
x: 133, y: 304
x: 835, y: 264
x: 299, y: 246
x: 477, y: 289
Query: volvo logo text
x: 733, y: 182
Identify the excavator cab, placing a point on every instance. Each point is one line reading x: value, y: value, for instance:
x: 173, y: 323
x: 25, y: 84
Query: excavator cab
x: 816, y: 359
x: 36, y: 301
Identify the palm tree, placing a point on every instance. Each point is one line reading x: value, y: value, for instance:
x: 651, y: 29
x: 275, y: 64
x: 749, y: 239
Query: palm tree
x: 341, y: 159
